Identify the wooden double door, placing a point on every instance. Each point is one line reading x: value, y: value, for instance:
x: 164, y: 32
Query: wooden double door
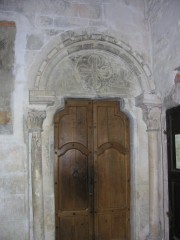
x: 92, y: 172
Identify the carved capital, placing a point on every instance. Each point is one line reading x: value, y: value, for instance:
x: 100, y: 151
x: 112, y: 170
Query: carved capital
x: 152, y: 118
x: 151, y: 106
x: 35, y: 120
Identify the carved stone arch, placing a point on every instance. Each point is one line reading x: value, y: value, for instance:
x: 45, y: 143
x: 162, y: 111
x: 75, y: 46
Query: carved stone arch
x: 78, y: 63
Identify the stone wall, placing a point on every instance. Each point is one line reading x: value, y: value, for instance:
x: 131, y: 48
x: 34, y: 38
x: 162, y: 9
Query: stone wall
x: 164, y: 18
x: 49, y: 18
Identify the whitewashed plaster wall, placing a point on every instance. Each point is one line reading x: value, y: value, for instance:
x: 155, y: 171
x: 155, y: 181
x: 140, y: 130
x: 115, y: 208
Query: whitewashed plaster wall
x: 38, y: 23
x: 14, y: 202
x: 48, y: 18
x: 164, y: 19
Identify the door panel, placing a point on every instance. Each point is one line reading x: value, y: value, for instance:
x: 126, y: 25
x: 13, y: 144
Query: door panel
x: 92, y: 171
x: 73, y: 185
x: 173, y: 130
x: 176, y: 212
x: 74, y: 227
x: 111, y: 226
x: 73, y: 167
x: 73, y: 126
x: 110, y: 180
x: 111, y: 162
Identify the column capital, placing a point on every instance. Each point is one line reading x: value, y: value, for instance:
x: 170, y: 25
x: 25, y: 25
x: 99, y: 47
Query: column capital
x: 35, y: 120
x: 151, y: 106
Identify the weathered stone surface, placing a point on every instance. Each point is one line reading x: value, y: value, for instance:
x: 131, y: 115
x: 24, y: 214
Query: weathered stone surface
x: 87, y: 1
x: 165, y: 42
x: 14, y: 184
x: 52, y: 32
x: 8, y: 154
x: 97, y: 23
x: 49, y: 7
x: 42, y: 97
x: 64, y: 22
x: 93, y: 11
x: 93, y: 73
x: 151, y: 106
x: 34, y: 42
x: 17, y: 230
x: 14, y: 205
x: 61, y: 8
x: 44, y: 21
x: 49, y: 204
x: 100, y: 72
x: 35, y: 121
x: 73, y: 44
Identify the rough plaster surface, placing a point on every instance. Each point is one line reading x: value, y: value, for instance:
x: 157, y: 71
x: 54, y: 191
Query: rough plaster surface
x: 38, y: 27
x: 164, y: 18
x: 13, y: 189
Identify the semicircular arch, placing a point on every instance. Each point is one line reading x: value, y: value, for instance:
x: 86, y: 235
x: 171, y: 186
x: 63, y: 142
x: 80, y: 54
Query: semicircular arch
x: 93, y: 63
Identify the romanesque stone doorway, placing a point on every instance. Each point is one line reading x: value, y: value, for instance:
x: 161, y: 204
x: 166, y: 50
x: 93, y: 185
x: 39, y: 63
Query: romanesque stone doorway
x: 92, y: 171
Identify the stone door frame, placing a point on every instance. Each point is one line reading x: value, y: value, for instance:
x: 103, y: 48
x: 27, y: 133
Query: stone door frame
x: 44, y: 103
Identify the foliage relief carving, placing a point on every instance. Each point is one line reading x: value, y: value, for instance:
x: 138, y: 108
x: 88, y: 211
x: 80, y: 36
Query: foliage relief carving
x: 97, y: 72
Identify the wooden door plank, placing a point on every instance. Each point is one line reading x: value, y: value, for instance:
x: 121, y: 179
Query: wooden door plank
x: 111, y: 159
x: 73, y: 143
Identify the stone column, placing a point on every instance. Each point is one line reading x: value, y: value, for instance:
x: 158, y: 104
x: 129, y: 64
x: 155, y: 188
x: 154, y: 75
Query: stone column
x: 35, y: 121
x: 151, y: 106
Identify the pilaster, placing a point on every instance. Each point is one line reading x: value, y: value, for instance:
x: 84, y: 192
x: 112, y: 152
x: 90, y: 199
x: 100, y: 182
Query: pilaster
x: 151, y: 106
x: 35, y: 122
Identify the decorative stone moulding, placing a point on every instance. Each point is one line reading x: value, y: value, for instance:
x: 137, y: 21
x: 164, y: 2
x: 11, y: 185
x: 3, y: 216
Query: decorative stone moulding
x: 42, y: 97
x: 93, y: 63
